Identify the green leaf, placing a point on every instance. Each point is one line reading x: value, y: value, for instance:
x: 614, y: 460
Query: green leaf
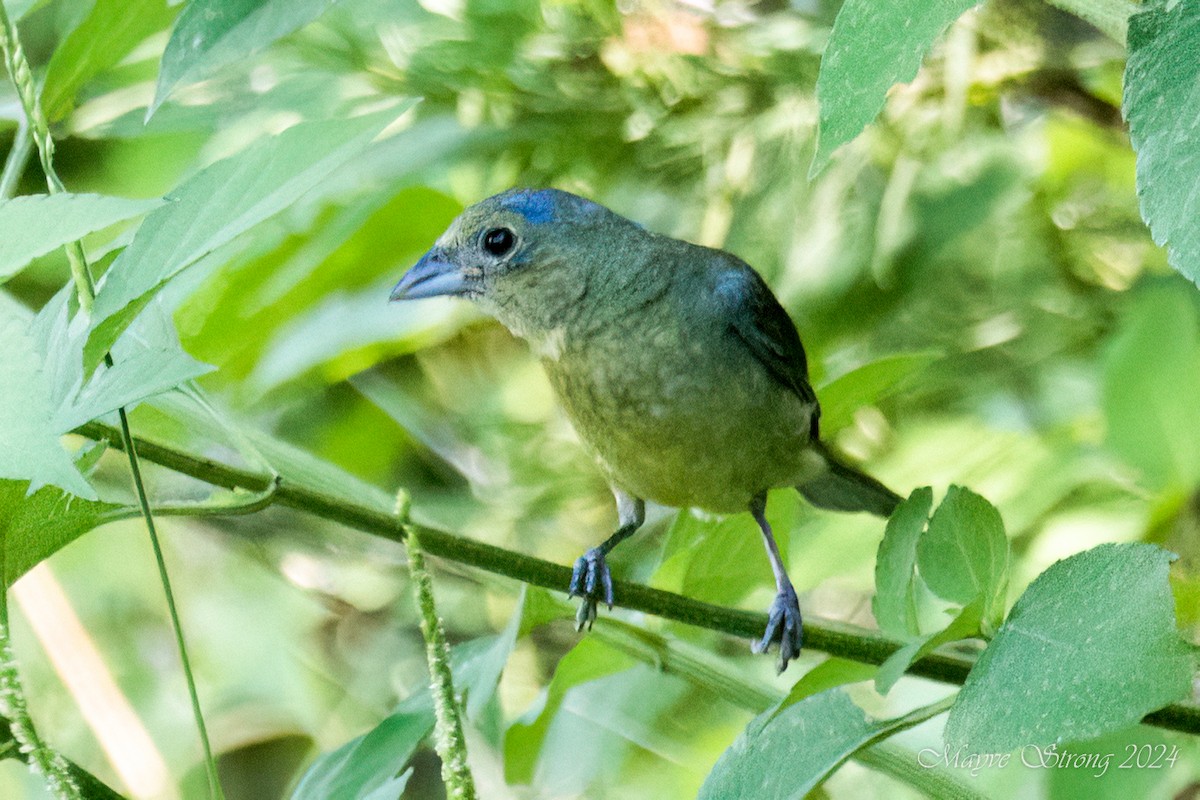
x: 33, y: 225
x: 830, y: 673
x: 477, y: 671
x: 895, y: 603
x: 871, y: 47
x: 1161, y: 75
x: 296, y: 466
x: 867, y: 384
x: 1151, y: 378
x: 963, y: 626
x: 29, y: 446
x: 217, y: 204
x: 213, y: 33
x: 129, y: 381
x: 35, y: 526
x: 1090, y: 647
x: 366, y: 768
x: 107, y: 34
x: 587, y: 661
x: 149, y: 361
x: 964, y: 554
x: 716, y: 560
x: 19, y: 8
x: 785, y: 756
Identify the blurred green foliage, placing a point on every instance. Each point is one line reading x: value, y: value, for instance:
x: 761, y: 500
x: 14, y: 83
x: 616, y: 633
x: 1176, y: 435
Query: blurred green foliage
x: 971, y: 277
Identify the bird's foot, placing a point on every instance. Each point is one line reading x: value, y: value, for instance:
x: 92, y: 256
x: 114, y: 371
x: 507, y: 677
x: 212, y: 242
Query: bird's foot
x: 591, y: 581
x: 783, y: 627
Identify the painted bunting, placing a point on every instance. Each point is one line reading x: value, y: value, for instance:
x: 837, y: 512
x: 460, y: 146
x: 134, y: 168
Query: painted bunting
x: 676, y: 364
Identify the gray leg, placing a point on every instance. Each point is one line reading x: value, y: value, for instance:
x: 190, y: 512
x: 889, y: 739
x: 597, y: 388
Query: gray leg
x: 591, y: 580
x: 783, y: 619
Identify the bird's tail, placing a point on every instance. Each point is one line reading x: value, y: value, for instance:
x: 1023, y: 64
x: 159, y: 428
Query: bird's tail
x: 843, y: 488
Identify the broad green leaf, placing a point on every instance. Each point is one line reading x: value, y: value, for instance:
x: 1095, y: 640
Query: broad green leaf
x: 109, y: 32
x: 716, y: 560
x: 33, y: 225
x: 895, y: 603
x: 371, y: 767
x: 872, y: 47
x: 19, y: 8
x: 1090, y: 647
x: 830, y: 673
x: 785, y: 756
x: 867, y: 384
x: 129, y: 381
x: 1161, y: 76
x: 587, y: 661
x: 217, y: 204
x: 477, y: 672
x: 964, y: 554
x: 213, y: 33
x: 963, y: 626
x: 29, y: 447
x: 35, y: 526
x: 1151, y: 378
x: 148, y: 358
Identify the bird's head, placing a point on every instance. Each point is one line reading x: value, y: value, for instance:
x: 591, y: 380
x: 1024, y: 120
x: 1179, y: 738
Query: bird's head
x: 521, y: 255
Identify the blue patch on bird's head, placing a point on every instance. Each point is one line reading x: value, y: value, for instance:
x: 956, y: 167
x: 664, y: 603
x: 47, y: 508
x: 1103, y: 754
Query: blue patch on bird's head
x: 539, y: 206
x: 536, y: 206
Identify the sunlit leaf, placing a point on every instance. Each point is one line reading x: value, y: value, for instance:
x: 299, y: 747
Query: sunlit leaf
x: 106, y: 35
x: 129, y: 381
x: 218, y: 203
x: 872, y: 46
x: 1090, y: 647
x: 213, y: 33
x: 33, y: 225
x: 1161, y: 76
x: 29, y: 446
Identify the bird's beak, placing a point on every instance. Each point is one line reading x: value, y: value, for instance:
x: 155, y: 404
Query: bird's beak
x: 432, y: 276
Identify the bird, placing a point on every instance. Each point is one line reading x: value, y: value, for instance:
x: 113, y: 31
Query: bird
x: 675, y: 363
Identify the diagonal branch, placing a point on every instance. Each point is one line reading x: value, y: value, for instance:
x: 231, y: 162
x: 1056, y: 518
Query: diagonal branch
x: 830, y: 636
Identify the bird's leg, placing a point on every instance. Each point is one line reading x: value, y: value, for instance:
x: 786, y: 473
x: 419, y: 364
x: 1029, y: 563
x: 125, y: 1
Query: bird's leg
x: 591, y: 580
x: 783, y: 622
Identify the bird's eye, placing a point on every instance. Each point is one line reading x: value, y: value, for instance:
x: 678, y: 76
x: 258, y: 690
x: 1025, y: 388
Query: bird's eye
x: 498, y: 241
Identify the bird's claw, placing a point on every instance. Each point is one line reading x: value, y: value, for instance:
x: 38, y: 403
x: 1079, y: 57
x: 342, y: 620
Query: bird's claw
x: 591, y: 581
x: 783, y: 626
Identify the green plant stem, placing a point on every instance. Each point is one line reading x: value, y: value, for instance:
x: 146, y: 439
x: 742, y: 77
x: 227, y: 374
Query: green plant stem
x: 90, y: 787
x: 43, y: 759
x: 829, y: 636
x: 450, y: 742
x: 902, y: 764
x: 85, y: 287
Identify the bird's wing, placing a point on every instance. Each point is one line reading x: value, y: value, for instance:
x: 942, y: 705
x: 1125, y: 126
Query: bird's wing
x: 757, y: 319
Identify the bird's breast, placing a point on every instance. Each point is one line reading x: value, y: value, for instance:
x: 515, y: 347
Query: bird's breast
x: 677, y: 414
